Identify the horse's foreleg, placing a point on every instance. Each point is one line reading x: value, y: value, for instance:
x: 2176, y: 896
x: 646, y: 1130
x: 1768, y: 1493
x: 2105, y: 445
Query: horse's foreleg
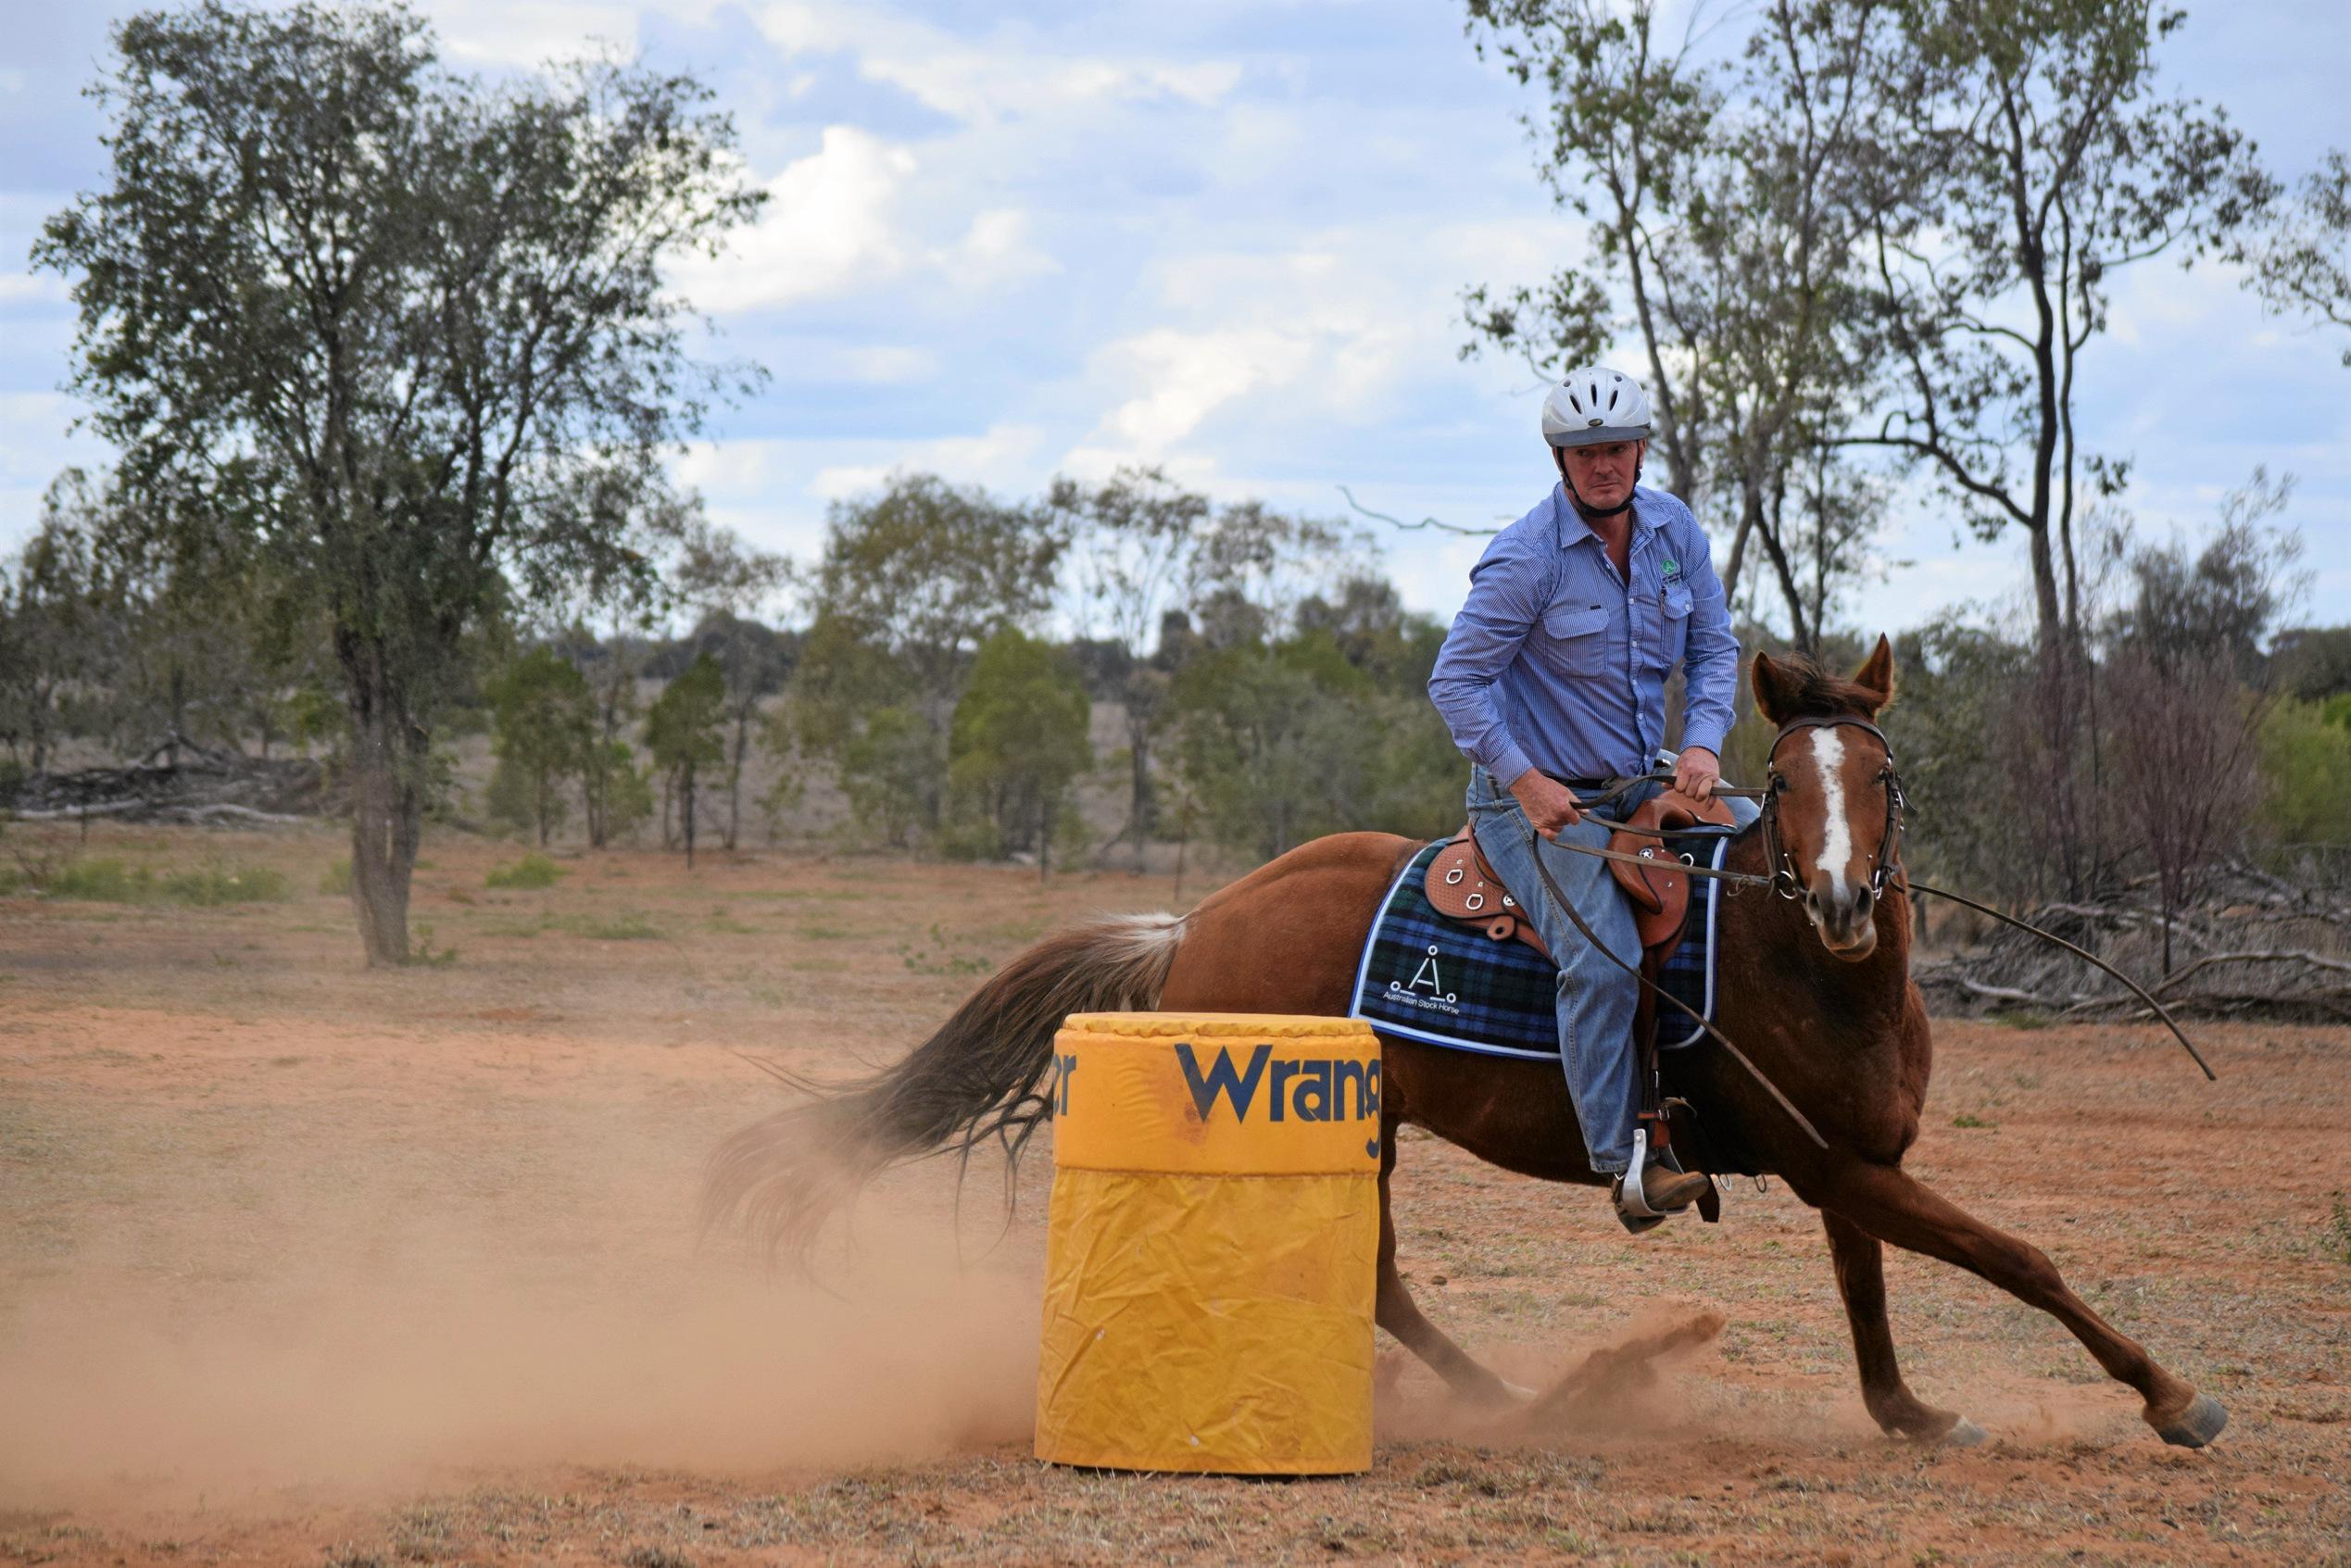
x: 1891, y: 1207
x: 1393, y: 1310
x: 1861, y: 1280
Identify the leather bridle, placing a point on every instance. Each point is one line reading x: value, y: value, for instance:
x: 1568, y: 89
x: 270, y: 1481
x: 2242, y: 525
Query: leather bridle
x: 1783, y: 879
x: 1884, y: 861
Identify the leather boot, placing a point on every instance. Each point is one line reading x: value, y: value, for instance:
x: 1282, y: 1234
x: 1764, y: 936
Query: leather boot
x: 1663, y: 1190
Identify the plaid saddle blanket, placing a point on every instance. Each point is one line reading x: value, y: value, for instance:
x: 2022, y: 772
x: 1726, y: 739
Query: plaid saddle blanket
x: 1427, y: 979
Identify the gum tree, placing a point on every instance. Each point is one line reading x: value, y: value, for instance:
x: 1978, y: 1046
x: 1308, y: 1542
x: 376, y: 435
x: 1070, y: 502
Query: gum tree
x: 2030, y: 156
x: 1720, y: 197
x: 403, y: 334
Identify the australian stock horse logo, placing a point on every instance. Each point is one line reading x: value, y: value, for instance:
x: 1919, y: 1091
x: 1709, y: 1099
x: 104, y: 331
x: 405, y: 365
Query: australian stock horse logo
x: 1428, y: 975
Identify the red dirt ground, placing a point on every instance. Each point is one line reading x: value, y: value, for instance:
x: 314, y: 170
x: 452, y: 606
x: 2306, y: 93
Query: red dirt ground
x: 305, y: 1264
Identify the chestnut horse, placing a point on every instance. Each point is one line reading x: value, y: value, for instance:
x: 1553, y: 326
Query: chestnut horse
x: 1815, y: 990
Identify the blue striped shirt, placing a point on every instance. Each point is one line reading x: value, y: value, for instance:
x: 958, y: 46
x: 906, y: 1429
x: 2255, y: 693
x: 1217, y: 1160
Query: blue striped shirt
x: 1556, y: 661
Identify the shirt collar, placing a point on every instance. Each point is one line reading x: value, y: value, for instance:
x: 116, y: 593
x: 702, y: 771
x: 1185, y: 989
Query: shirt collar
x: 1572, y: 530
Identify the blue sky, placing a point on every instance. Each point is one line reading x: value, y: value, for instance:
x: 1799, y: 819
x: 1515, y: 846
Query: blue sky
x: 1227, y: 236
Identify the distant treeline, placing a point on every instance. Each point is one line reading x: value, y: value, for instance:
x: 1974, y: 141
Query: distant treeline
x: 940, y: 662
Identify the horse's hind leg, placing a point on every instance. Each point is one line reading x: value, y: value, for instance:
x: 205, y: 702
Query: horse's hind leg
x: 1393, y: 1310
x: 1860, y: 1259
x: 1890, y: 1206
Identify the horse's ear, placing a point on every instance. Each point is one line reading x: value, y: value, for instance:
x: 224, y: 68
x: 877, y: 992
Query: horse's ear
x: 1771, y: 686
x: 1875, y: 675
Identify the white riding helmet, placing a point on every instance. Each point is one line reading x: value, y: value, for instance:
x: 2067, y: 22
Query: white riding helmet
x: 1595, y: 405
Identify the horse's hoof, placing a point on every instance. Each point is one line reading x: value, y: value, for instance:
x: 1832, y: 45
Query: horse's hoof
x: 1964, y: 1434
x: 2196, y: 1425
x: 1519, y: 1394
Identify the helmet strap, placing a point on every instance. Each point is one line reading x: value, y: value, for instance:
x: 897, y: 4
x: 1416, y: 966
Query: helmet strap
x: 1560, y: 457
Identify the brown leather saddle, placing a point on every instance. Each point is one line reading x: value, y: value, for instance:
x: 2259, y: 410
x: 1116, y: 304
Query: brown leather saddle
x: 1464, y: 889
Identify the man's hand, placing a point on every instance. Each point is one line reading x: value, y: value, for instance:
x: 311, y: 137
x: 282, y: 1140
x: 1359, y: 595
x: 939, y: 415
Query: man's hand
x: 1697, y: 773
x: 1549, y: 804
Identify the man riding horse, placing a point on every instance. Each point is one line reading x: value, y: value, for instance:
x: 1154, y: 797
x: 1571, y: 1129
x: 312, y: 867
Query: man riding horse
x: 1552, y: 681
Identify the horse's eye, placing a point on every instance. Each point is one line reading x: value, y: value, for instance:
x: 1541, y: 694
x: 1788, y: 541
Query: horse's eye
x: 1779, y: 784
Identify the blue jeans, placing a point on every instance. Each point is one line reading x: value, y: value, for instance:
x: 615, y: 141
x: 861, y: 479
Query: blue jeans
x: 1596, y: 997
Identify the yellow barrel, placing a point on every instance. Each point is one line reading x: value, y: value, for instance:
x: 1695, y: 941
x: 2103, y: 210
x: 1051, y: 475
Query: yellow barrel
x: 1211, y: 1249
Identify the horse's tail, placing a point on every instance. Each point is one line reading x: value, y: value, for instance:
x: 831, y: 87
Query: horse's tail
x: 979, y: 1077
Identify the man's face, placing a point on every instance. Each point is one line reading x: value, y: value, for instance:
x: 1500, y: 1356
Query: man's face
x: 1602, y: 474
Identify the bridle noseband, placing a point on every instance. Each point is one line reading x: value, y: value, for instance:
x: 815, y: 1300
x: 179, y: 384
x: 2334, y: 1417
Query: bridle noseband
x: 1884, y: 862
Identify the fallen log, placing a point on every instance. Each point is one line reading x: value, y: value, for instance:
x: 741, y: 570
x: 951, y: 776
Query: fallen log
x: 213, y: 786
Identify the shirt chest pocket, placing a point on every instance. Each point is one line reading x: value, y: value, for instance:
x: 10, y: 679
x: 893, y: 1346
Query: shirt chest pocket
x: 1577, y: 638
x: 1673, y: 628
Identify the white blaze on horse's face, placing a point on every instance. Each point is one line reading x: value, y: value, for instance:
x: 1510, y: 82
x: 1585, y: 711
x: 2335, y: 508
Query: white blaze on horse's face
x: 1837, y: 894
x: 1836, y: 838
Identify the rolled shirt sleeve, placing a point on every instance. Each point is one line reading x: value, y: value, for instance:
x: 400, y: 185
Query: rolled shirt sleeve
x: 1710, y: 657
x: 1507, y: 592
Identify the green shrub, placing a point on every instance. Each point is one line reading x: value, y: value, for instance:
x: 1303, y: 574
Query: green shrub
x: 2334, y: 1236
x: 336, y: 878
x: 103, y: 881
x: 533, y: 871
x: 2306, y: 756
x: 628, y: 927
x: 224, y: 885
x: 109, y: 881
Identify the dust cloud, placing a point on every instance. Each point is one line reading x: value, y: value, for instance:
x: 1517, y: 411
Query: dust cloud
x: 428, y: 1314
x: 1632, y: 1383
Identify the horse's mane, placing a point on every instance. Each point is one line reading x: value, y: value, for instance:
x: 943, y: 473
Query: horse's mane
x: 1806, y: 689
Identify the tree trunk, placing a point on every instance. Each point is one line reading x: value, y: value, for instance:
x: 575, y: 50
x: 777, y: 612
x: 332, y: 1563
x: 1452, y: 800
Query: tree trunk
x: 1804, y: 635
x: 2047, y: 619
x: 686, y: 810
x: 735, y: 773
x: 1183, y: 847
x: 1141, y: 802
x: 1731, y: 574
x: 387, y: 820
x: 592, y: 801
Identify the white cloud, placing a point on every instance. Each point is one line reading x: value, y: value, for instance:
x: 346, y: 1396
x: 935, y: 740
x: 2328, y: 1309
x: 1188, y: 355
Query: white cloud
x: 15, y: 287
x: 995, y: 251
x: 1333, y: 335
x: 1002, y: 458
x: 1007, y: 77
x: 830, y: 225
x: 887, y: 364
x: 530, y: 33
x: 772, y: 489
x: 33, y: 447
x: 1181, y: 378
x: 836, y: 222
